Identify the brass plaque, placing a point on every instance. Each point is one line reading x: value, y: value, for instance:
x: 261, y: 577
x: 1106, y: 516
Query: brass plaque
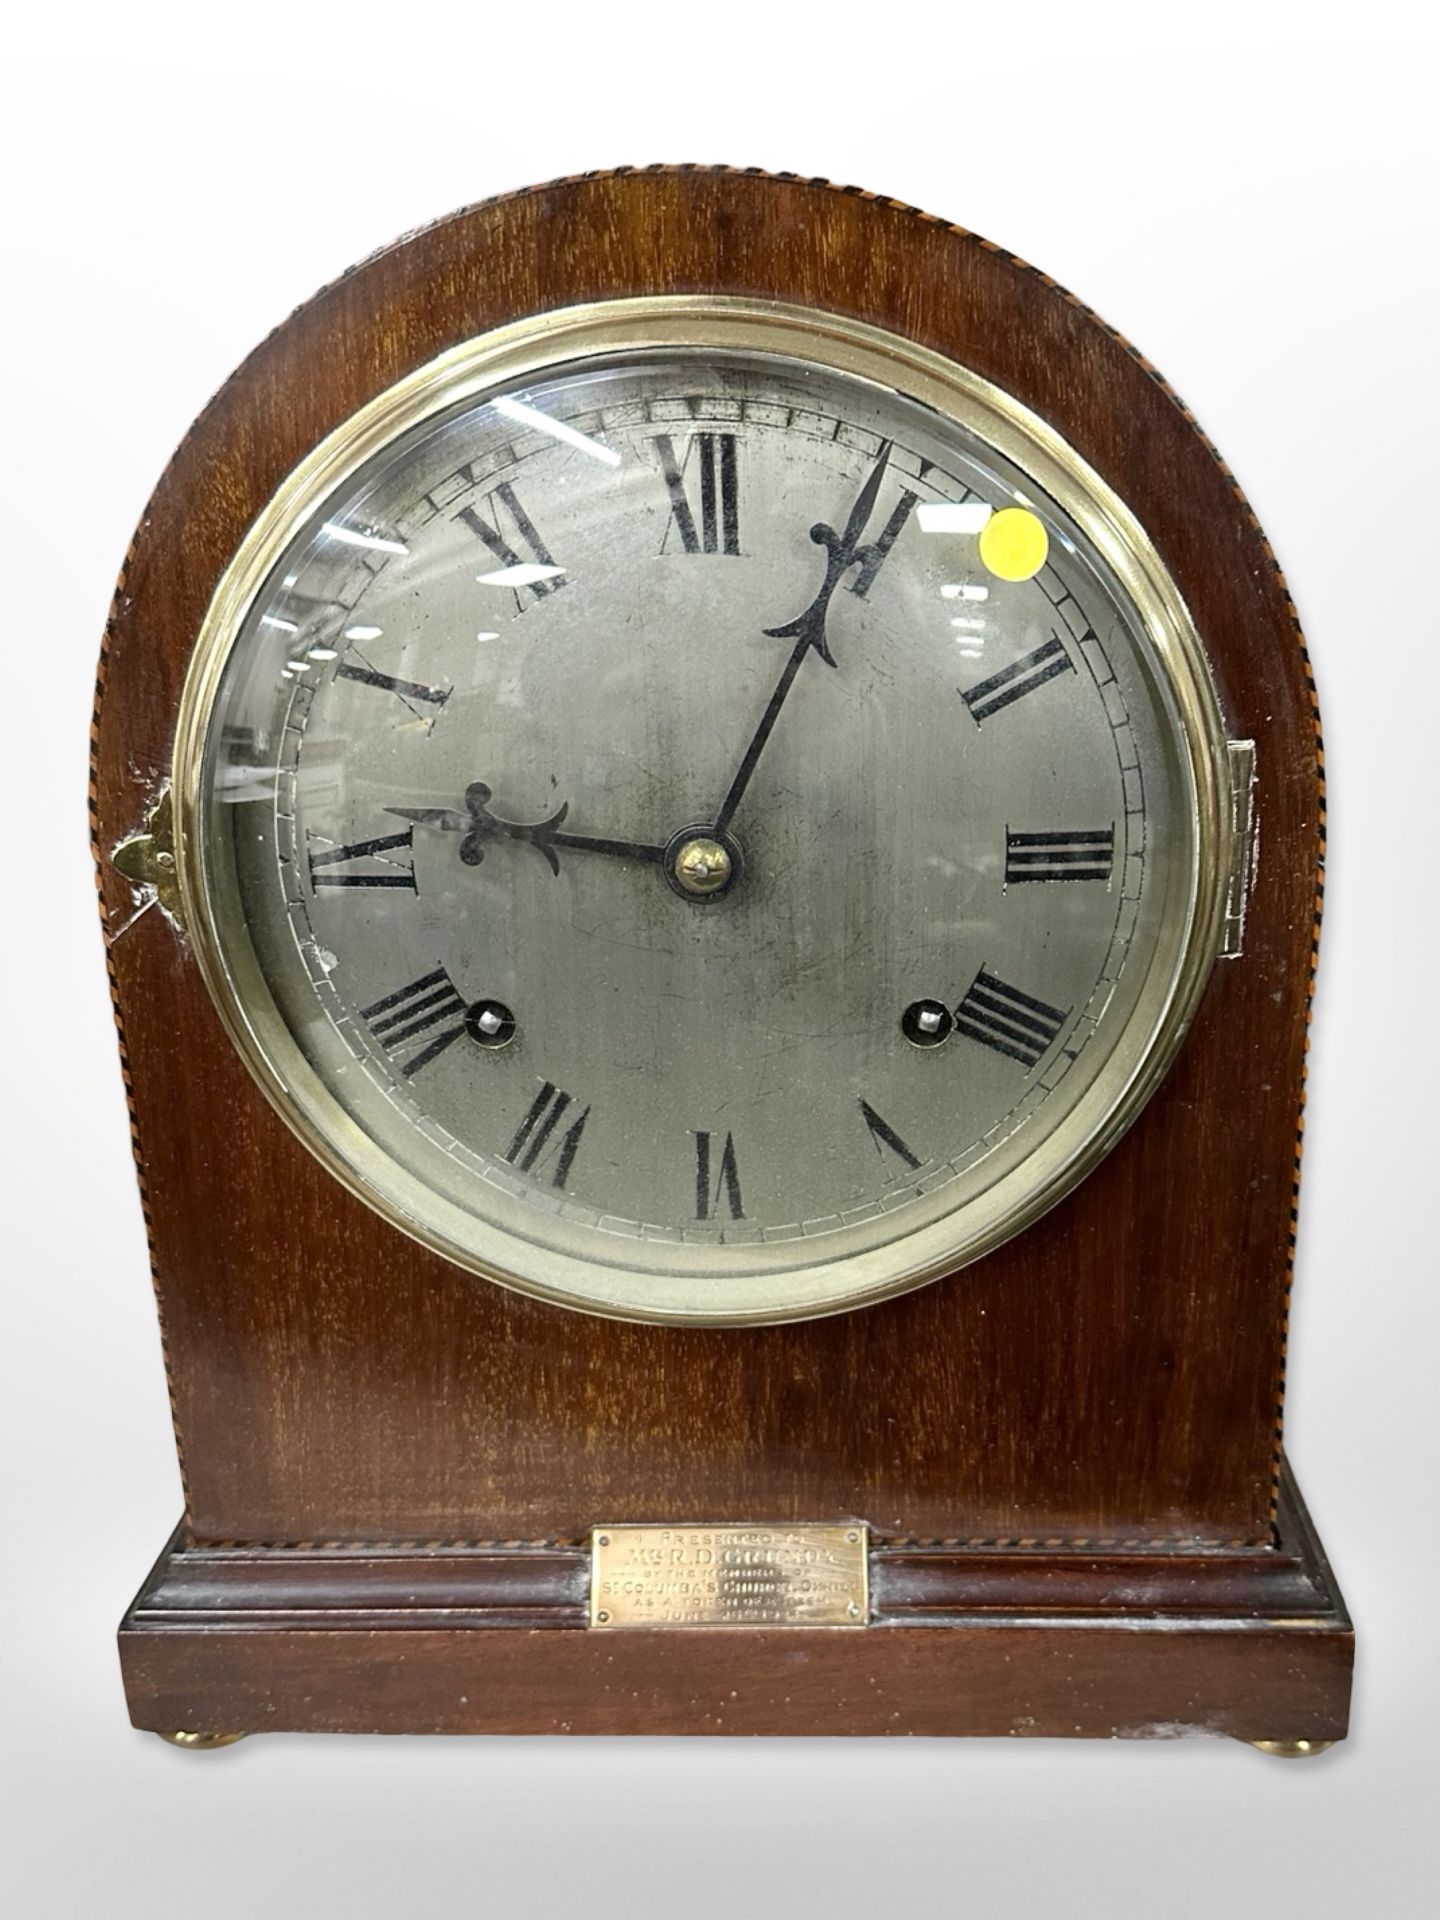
x: 728, y: 1576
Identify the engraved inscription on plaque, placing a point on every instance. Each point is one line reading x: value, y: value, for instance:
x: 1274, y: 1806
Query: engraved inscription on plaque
x: 729, y: 1576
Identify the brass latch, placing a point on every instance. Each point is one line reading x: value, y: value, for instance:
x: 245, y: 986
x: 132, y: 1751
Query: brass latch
x: 147, y: 858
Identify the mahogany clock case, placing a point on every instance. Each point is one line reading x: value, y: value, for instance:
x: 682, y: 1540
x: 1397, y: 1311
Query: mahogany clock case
x: 382, y: 1454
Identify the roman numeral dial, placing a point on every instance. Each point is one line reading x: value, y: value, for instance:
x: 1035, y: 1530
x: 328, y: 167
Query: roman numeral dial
x: 419, y: 1021
x: 872, y: 557
x: 886, y: 1139
x: 1027, y: 675
x: 1086, y: 853
x: 406, y: 691
x: 540, y: 1141
x: 384, y: 862
x: 1008, y: 1021
x: 523, y: 561
x: 703, y: 482
x: 717, y: 1178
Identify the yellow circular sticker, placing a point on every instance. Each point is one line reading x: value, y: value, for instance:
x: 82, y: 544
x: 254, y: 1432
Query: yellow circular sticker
x: 1014, y: 544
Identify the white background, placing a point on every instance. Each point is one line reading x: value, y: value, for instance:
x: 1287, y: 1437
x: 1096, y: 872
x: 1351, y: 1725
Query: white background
x: 1249, y: 194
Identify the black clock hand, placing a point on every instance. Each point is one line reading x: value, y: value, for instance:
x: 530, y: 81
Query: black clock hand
x: 476, y: 822
x: 808, y: 629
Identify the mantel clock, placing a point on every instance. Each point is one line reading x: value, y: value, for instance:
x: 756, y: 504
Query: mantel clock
x: 708, y: 812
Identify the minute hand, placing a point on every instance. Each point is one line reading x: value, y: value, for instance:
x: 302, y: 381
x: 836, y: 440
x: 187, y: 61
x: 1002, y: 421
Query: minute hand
x: 808, y: 629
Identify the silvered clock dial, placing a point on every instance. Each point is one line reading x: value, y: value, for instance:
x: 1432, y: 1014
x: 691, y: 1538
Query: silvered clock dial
x: 702, y: 812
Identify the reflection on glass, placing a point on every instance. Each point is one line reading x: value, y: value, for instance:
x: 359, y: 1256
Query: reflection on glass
x: 528, y: 416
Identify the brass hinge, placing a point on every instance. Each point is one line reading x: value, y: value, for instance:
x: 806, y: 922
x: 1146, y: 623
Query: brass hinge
x: 1244, y: 846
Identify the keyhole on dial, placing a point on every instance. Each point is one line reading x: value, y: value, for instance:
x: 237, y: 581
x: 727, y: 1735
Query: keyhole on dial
x: 490, y: 1023
x: 926, y: 1023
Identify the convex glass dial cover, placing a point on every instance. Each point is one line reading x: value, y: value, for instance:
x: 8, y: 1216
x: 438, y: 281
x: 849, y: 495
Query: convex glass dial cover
x: 701, y: 812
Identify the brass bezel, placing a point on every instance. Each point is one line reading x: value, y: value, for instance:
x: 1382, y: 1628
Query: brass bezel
x: 521, y: 352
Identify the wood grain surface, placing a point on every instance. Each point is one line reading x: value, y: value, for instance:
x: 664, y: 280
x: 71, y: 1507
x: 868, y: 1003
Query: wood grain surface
x: 1159, y: 1641
x: 1158, y: 1682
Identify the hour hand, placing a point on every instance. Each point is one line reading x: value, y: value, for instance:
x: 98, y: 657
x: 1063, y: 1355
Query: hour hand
x: 449, y: 818
x: 477, y: 822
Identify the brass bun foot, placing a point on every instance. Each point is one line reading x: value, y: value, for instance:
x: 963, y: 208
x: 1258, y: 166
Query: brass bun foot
x: 200, y: 1742
x: 1292, y: 1749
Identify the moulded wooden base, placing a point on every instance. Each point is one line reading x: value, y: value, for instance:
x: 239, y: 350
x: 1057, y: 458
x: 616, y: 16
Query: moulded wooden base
x: 1030, y: 1639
